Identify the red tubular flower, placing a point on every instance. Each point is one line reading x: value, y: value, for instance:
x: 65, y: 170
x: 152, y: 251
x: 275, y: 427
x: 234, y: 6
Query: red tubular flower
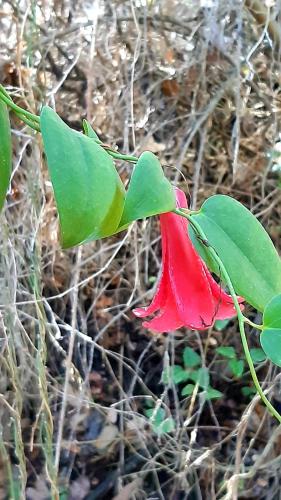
x: 187, y: 295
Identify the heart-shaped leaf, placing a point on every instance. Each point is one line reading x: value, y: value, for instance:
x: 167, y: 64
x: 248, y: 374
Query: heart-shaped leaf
x: 191, y: 358
x: 227, y: 351
x: 270, y: 337
x: 244, y: 247
x: 88, y: 190
x: 149, y: 192
x: 188, y: 390
x: 213, y: 394
x: 236, y: 366
x: 5, y: 152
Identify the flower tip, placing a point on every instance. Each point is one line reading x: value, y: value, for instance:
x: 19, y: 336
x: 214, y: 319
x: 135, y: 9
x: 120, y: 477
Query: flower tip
x: 139, y: 312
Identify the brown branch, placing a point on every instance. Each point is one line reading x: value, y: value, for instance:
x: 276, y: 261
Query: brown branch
x: 261, y: 15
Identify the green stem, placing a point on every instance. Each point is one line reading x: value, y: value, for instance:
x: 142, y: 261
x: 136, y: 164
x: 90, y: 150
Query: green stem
x: 241, y: 318
x: 119, y: 156
x: 31, y: 124
x: 251, y: 323
x: 33, y: 121
x: 17, y: 109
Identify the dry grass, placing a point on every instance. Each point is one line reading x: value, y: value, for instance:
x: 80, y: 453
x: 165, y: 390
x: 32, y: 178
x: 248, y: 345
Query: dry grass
x: 198, y: 84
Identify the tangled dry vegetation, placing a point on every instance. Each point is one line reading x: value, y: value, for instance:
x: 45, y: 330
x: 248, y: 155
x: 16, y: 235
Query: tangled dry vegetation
x: 198, y: 83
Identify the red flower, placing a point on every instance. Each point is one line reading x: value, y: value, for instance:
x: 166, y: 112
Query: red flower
x: 187, y: 295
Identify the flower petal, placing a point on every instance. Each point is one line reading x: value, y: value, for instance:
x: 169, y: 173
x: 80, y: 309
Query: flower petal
x: 224, y: 302
x: 167, y: 319
x: 187, y: 295
x: 159, y: 298
x: 191, y: 289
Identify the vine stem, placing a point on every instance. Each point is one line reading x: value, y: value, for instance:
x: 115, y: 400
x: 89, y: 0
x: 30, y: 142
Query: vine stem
x: 4, y: 96
x: 240, y: 316
x: 33, y: 121
x: 118, y: 156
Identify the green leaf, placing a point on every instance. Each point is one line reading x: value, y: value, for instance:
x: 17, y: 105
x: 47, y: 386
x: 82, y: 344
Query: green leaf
x: 227, y: 352
x: 5, y: 152
x: 248, y: 391
x: 149, y: 192
x: 167, y: 426
x: 236, y: 366
x: 272, y: 313
x: 213, y: 394
x: 271, y: 343
x: 88, y: 190
x: 89, y: 131
x: 220, y: 324
x: 201, y: 377
x: 257, y: 355
x: 270, y: 337
x: 179, y: 374
x: 191, y: 358
x: 187, y: 390
x: 156, y: 417
x: 244, y: 247
x: 160, y: 424
x: 174, y: 373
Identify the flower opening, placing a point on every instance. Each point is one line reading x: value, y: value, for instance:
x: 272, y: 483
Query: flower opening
x: 187, y: 294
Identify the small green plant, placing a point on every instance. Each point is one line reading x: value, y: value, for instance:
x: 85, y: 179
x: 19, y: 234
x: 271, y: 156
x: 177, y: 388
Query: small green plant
x: 160, y: 423
x: 236, y: 365
x: 194, y: 373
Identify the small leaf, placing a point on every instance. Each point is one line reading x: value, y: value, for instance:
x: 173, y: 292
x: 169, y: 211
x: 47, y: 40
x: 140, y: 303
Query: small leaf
x: 88, y: 190
x: 257, y: 355
x: 167, y: 426
x: 248, y: 391
x: 156, y: 417
x: 244, y: 247
x: 175, y: 373
x: 213, y: 394
x: 270, y: 337
x: 221, y: 324
x: 191, y: 358
x: 236, y: 366
x: 149, y: 192
x: 5, y: 152
x: 187, y: 390
x: 201, y: 377
x: 227, y: 352
x: 179, y: 374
